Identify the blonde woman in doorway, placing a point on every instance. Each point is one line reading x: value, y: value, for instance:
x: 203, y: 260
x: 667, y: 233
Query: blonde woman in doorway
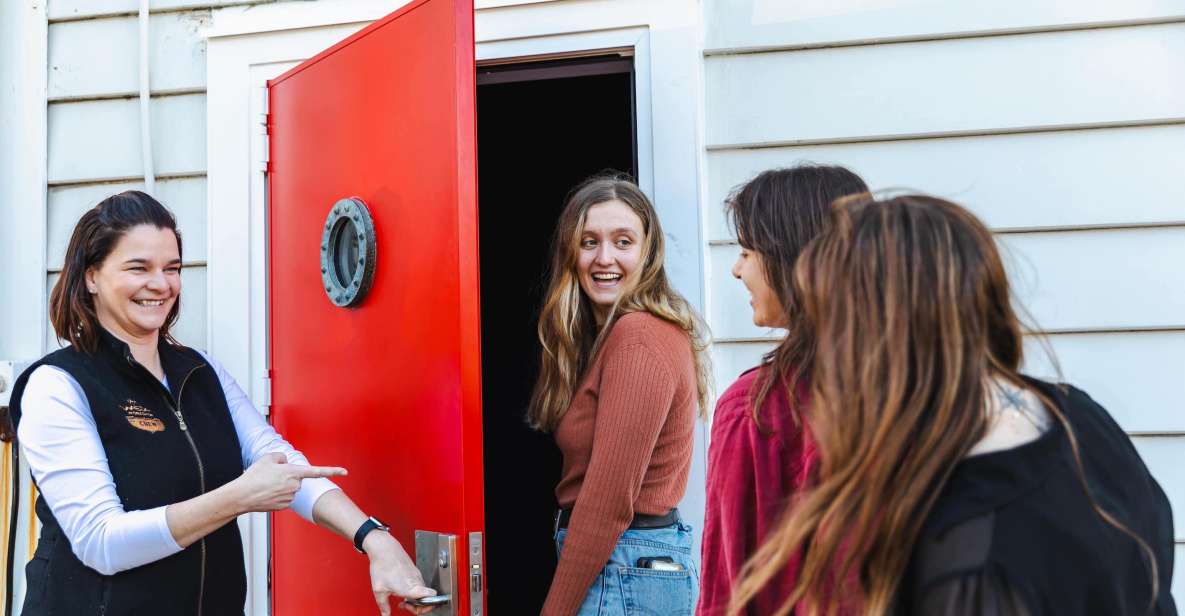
x: 622, y: 378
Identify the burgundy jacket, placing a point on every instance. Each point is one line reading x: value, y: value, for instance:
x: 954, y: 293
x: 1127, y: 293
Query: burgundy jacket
x: 751, y: 476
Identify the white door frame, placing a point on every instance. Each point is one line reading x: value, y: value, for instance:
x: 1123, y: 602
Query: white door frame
x: 247, y: 46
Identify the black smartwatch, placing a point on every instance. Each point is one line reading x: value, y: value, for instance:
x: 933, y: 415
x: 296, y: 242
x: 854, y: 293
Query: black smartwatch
x: 371, y: 523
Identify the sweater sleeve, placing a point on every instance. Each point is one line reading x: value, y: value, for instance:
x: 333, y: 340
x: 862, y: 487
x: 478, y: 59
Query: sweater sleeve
x: 635, y: 397
x: 61, y: 444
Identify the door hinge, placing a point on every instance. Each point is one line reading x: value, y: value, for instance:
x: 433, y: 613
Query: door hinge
x: 265, y: 139
x: 265, y: 393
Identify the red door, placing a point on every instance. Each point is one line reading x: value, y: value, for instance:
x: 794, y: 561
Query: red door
x: 390, y: 388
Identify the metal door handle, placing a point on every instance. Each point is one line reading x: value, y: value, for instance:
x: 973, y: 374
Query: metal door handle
x: 430, y: 601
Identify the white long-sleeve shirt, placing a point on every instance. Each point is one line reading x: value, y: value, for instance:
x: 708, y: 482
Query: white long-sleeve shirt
x: 60, y: 440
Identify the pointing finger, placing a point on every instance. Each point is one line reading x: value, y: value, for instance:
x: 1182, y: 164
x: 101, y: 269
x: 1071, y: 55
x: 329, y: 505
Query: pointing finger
x: 306, y: 472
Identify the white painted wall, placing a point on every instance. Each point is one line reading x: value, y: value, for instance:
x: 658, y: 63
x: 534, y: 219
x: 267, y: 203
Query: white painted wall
x: 1060, y: 123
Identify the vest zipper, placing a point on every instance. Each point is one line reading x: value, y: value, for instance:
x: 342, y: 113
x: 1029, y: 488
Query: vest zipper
x: 201, y: 476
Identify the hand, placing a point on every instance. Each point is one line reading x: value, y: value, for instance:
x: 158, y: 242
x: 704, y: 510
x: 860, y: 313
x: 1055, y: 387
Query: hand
x: 392, y: 573
x: 271, y: 482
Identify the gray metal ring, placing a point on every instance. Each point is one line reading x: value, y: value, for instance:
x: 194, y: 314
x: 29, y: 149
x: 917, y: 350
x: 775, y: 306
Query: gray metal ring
x: 348, y: 253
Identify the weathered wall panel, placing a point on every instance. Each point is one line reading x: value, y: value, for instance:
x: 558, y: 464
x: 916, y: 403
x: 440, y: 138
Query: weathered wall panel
x: 1067, y: 281
x: 1138, y: 377
x: 100, y: 57
x: 757, y: 23
x: 1050, y: 79
x: 185, y: 197
x: 1099, y: 279
x: 75, y: 9
x: 1065, y: 178
x: 101, y: 139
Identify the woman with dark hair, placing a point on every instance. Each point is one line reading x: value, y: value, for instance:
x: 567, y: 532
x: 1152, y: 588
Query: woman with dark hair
x: 145, y: 451
x: 948, y: 482
x: 622, y: 376
x: 760, y: 453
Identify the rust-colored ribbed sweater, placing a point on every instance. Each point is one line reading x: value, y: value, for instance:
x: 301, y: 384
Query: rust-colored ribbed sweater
x: 626, y: 440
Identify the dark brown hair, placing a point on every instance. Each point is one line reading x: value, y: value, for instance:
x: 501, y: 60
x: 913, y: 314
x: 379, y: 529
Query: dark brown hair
x: 776, y: 214
x: 71, y: 306
x: 909, y: 306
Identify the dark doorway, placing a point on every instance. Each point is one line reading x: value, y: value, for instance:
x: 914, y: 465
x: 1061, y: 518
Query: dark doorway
x: 542, y: 127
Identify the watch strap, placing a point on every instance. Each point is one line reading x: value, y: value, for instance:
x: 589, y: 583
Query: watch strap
x: 371, y: 523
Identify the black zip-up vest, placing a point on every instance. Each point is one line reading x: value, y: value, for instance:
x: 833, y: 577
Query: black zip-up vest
x: 163, y: 447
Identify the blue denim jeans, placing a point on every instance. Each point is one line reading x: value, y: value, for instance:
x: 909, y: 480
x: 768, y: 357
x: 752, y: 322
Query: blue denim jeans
x: 623, y: 589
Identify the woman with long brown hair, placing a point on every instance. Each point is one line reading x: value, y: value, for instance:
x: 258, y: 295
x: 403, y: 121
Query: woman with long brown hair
x: 145, y: 451
x: 948, y: 482
x: 621, y: 378
x: 760, y: 453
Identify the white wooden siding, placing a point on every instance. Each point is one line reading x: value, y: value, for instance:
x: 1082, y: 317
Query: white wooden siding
x: 100, y: 57
x: 100, y: 139
x: 1091, y: 280
x: 1086, y: 280
x: 94, y: 128
x: 60, y: 10
x: 1138, y: 377
x: 1101, y: 177
x: 746, y: 24
x: 981, y: 84
x: 185, y: 197
x: 1058, y: 123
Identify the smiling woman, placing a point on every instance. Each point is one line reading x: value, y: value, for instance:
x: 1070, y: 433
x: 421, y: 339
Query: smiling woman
x: 145, y: 451
x: 610, y: 249
x: 622, y: 376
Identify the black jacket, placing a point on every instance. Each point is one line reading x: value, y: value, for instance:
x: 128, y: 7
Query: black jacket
x: 1014, y: 534
x: 163, y: 447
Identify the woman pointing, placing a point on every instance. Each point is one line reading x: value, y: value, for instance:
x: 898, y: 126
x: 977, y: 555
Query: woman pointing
x: 145, y: 451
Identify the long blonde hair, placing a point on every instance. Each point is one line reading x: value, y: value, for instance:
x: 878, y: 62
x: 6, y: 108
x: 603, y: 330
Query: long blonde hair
x: 568, y: 331
x: 908, y: 304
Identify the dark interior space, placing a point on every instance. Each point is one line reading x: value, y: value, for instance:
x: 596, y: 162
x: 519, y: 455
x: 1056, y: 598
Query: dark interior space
x: 542, y: 128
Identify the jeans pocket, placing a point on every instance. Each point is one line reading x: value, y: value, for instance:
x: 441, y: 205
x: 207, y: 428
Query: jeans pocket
x: 650, y: 592
x: 593, y: 604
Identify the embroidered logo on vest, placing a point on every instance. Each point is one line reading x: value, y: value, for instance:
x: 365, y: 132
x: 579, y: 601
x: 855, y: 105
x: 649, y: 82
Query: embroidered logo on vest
x: 141, y: 417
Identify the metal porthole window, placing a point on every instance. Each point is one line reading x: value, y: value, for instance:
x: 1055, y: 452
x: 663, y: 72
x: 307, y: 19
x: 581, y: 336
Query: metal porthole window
x: 348, y: 253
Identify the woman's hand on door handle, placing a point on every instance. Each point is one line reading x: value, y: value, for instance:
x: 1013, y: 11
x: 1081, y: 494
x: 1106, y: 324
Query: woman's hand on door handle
x: 392, y: 573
